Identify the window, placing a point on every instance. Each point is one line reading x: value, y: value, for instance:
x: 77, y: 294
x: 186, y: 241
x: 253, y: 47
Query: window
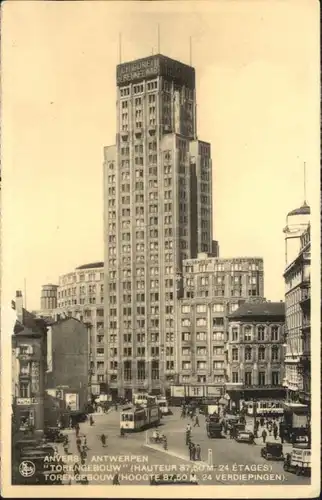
x: 141, y: 370
x: 261, y: 353
x: 185, y: 336
x: 261, y: 378
x: 235, y: 377
x: 218, y: 351
x: 248, y: 378
x: 201, y: 336
x: 155, y: 370
x: 218, y: 321
x: 201, y: 351
x: 100, y: 351
x: 218, y: 365
x: 218, y: 308
x: 234, y: 334
x: 201, y: 365
x: 218, y: 336
x: 24, y: 390
x: 201, y: 308
x: 201, y: 322
x: 127, y: 351
x: 234, y: 353
x: 185, y: 322
x: 260, y: 333
x: 248, y: 354
x: 186, y: 365
x: 275, y: 378
x: 274, y: 333
x: 247, y: 333
x: 127, y: 370
x: 275, y: 353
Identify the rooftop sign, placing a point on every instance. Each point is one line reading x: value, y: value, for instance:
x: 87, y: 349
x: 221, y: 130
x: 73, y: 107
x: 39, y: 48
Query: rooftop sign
x: 152, y: 67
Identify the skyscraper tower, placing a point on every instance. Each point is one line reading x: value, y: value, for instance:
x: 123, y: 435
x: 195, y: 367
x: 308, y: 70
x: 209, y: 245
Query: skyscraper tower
x: 157, y: 212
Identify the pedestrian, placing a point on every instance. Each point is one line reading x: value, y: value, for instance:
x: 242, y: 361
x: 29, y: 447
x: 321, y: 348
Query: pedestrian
x: 116, y: 480
x: 85, y: 443
x: 269, y: 428
x: 78, y: 442
x: 275, y: 432
x: 103, y: 440
x: 188, y: 428
x: 84, y: 453
x: 191, y: 450
x: 188, y: 437
x: 262, y: 421
x: 91, y: 421
x: 198, y: 452
x: 264, y: 435
x: 196, y: 424
x: 115, y: 408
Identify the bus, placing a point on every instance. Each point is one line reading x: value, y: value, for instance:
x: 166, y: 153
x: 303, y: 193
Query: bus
x: 268, y: 408
x: 137, y: 418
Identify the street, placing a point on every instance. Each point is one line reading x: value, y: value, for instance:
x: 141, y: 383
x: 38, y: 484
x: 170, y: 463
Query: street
x: 135, y: 459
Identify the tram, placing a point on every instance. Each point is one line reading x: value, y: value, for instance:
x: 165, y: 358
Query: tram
x: 268, y: 408
x: 137, y: 418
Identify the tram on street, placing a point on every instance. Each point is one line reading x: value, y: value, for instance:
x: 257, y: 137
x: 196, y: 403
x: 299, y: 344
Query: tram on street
x: 137, y: 418
x: 143, y: 398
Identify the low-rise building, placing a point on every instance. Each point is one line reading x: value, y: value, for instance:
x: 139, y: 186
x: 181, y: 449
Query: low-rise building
x: 29, y: 351
x: 254, y: 352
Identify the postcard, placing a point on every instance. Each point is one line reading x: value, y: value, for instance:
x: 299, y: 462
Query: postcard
x: 160, y: 218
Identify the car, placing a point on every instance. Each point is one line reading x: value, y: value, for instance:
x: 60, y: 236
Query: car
x: 272, y: 451
x: 244, y: 437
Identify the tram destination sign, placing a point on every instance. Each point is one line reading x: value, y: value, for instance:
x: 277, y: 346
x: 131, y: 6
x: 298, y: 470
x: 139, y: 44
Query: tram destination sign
x: 153, y: 66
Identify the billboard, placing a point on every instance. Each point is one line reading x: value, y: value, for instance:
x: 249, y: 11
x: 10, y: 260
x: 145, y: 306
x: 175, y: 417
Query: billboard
x: 153, y: 66
x: 72, y: 400
x: 177, y: 391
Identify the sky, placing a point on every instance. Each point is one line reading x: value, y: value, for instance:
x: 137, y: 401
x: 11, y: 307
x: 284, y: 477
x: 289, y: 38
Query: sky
x: 257, y: 69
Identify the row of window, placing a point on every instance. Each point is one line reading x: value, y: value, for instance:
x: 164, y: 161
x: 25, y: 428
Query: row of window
x: 262, y: 378
x: 261, y: 353
x: 261, y: 333
x: 224, y: 267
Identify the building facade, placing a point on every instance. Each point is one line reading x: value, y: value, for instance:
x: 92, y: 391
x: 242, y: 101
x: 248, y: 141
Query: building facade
x: 254, y: 352
x: 157, y: 213
x: 297, y: 379
x: 212, y: 288
x: 80, y: 295
x: 67, y: 361
x: 29, y: 351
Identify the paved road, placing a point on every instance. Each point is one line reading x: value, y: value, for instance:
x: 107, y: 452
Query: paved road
x: 135, y: 460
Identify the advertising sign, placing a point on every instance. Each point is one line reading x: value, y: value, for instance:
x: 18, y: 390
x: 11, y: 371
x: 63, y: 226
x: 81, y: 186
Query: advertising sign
x: 213, y: 391
x: 72, y: 400
x: 26, y: 401
x: 177, y: 391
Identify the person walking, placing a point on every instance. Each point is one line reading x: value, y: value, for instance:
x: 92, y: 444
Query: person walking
x: 275, y: 430
x: 116, y: 480
x: 91, y: 421
x: 269, y: 428
x: 78, y: 443
x: 193, y: 452
x: 262, y: 421
x: 191, y: 446
x: 188, y: 437
x: 103, y: 440
x: 196, y: 424
x: 198, y: 452
x: 264, y: 435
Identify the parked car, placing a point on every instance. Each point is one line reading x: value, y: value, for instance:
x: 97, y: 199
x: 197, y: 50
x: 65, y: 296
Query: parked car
x: 244, y: 437
x: 53, y: 435
x: 298, y: 461
x: 272, y: 451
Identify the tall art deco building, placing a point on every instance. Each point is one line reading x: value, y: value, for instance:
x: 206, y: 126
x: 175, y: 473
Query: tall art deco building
x: 158, y: 212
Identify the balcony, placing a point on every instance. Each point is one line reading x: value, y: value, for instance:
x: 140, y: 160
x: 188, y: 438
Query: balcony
x: 306, y: 323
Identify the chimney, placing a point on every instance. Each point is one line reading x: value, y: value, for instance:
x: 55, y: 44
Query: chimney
x: 19, y: 306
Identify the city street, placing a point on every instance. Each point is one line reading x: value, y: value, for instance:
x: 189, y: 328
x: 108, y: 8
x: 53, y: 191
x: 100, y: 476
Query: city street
x: 136, y: 460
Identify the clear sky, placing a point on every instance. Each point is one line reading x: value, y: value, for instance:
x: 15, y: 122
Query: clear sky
x: 257, y: 73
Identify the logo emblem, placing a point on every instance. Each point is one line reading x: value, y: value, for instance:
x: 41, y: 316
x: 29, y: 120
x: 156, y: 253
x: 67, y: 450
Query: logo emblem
x: 27, y: 468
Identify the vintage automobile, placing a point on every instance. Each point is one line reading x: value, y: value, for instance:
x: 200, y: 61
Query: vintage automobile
x: 171, y: 480
x: 298, y: 461
x: 53, y: 435
x: 272, y: 451
x: 245, y: 437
